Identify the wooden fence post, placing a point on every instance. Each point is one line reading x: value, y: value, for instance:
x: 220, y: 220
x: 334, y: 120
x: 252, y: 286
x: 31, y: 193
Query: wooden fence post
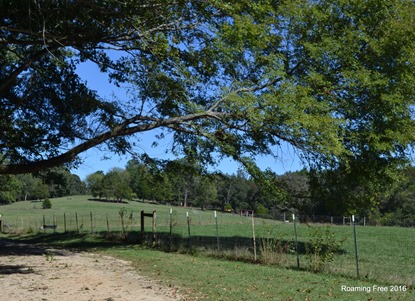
x: 188, y: 231
x: 296, y: 241
x: 92, y: 224
x: 142, y: 225
x: 108, y: 225
x: 64, y: 222
x: 77, y: 224
x: 154, y: 226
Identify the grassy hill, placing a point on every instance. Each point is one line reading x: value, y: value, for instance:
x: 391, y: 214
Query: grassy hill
x: 219, y: 258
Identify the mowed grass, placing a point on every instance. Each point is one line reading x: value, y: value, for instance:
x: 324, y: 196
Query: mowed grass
x: 204, y: 278
x: 21, y: 215
x: 386, y: 254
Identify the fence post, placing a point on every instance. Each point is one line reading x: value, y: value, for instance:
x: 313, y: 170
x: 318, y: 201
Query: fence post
x: 253, y: 235
x: 154, y: 226
x: 217, y: 231
x: 64, y: 222
x: 108, y: 225
x: 77, y: 224
x: 142, y: 225
x: 355, y: 246
x: 1, y: 225
x: 92, y: 225
x: 44, y: 223
x: 171, y: 228
x: 188, y: 231
x: 296, y: 241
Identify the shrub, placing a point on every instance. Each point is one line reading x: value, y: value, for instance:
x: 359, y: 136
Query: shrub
x: 273, y: 251
x: 261, y: 210
x: 227, y: 208
x: 321, y: 248
x: 46, y: 204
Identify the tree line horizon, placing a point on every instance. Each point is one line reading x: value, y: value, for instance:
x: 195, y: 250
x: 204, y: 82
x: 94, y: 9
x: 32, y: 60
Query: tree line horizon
x: 181, y: 183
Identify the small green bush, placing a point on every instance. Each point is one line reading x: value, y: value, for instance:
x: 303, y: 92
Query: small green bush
x: 273, y: 250
x: 46, y: 204
x: 227, y: 208
x: 261, y: 210
x: 321, y: 248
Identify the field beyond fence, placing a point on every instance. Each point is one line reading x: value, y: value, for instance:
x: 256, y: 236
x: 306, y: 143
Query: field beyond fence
x: 384, y: 254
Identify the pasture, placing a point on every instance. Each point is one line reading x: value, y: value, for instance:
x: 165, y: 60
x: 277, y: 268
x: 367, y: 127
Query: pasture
x: 216, y: 262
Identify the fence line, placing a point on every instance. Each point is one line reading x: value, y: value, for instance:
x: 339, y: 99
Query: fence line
x: 385, y: 253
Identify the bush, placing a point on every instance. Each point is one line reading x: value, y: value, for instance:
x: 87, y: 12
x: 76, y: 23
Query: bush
x: 274, y: 251
x: 261, y: 210
x: 227, y: 208
x: 46, y: 204
x: 321, y: 248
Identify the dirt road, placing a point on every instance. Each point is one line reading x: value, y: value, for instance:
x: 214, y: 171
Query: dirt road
x: 30, y: 272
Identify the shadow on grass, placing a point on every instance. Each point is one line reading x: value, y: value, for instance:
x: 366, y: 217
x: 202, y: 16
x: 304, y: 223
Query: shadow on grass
x: 177, y: 242
x: 38, y: 244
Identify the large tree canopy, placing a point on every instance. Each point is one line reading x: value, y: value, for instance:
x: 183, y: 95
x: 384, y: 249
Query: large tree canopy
x: 333, y: 78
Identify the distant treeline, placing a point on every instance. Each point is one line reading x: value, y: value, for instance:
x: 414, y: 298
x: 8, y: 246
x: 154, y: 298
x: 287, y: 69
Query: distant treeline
x: 56, y: 182
x: 180, y: 182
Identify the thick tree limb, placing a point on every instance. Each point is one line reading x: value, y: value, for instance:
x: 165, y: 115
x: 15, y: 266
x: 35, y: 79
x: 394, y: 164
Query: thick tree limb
x: 123, y: 129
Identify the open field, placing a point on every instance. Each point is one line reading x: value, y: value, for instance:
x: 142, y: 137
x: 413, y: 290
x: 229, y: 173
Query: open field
x: 386, y: 257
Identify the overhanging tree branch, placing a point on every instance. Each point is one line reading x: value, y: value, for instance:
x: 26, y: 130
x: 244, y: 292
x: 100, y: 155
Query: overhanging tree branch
x: 119, y: 131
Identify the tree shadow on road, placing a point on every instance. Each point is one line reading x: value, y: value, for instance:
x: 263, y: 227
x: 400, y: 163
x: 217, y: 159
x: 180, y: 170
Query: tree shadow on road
x: 15, y: 269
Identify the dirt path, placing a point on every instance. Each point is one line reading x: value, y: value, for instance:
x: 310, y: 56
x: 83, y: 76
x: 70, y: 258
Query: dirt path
x: 36, y: 273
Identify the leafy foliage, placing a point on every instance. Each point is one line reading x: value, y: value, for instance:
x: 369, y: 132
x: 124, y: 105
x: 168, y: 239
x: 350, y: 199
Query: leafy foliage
x: 9, y: 187
x: 94, y: 184
x: 115, y: 184
x: 46, y: 203
x: 321, y: 247
x: 335, y: 79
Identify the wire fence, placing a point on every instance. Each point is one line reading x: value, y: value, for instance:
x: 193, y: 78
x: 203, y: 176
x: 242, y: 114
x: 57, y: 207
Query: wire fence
x: 337, y: 245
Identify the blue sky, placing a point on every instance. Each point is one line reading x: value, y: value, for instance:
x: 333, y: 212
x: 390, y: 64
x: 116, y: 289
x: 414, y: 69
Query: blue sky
x: 93, y: 158
x: 93, y: 161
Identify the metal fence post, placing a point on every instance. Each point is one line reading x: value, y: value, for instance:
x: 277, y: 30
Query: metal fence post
x: 217, y: 231
x: 171, y: 228
x: 355, y: 246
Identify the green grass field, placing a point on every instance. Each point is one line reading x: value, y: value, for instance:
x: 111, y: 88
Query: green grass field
x: 386, y: 254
